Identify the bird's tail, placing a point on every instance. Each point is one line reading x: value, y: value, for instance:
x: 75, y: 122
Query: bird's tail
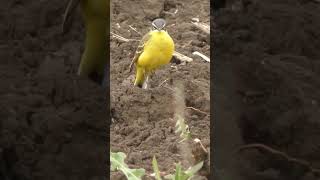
x: 140, y: 77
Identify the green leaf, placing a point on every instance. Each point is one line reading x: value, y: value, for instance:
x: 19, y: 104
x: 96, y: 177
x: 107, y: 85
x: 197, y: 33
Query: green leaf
x: 156, y: 168
x: 178, y: 172
x: 184, y: 175
x: 194, y: 169
x: 117, y: 163
x: 169, y: 176
x: 182, y: 128
x: 117, y: 160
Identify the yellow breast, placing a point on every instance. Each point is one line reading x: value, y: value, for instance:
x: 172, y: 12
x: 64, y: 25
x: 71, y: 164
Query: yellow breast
x: 157, y: 51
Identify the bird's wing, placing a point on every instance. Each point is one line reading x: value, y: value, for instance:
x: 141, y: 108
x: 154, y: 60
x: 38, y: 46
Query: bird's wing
x: 139, y: 50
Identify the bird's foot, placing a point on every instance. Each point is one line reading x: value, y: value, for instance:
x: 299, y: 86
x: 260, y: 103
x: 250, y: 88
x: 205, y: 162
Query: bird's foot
x: 146, y: 83
x: 145, y: 86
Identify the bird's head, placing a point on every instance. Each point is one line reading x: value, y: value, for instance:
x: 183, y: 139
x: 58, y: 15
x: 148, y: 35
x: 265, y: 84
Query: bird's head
x: 158, y: 24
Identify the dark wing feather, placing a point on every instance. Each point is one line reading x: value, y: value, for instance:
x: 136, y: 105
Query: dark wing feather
x: 139, y: 50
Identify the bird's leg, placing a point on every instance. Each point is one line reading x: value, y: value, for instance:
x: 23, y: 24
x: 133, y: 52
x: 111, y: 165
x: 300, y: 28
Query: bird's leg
x: 146, y: 82
x: 72, y: 4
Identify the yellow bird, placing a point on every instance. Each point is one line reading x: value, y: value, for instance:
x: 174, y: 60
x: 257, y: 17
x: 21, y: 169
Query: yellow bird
x: 96, y: 54
x: 155, y: 49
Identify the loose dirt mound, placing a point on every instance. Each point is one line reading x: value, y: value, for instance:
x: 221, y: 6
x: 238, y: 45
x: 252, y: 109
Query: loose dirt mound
x: 143, y: 124
x: 269, y: 50
x: 52, y: 124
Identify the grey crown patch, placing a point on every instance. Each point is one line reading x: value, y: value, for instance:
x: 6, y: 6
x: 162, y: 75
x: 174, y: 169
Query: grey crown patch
x: 159, y: 23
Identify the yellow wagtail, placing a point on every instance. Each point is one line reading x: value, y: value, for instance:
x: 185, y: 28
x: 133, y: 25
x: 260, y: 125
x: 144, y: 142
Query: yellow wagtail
x: 96, y: 54
x: 155, y: 49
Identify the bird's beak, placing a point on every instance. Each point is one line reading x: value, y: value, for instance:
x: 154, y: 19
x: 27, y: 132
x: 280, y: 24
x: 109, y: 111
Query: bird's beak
x: 68, y: 12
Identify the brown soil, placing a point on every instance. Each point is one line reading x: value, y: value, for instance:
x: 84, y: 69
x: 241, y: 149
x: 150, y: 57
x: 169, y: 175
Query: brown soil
x: 143, y: 123
x: 267, y: 88
x: 52, y: 124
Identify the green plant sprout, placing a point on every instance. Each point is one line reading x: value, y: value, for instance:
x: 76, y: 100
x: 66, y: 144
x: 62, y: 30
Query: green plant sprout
x: 179, y: 174
x: 184, y: 175
x: 182, y: 128
x: 156, y: 168
x: 117, y: 163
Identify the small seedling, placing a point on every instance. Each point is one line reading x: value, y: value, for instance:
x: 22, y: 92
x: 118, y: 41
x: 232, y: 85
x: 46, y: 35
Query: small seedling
x: 156, y: 168
x: 182, y: 128
x: 117, y: 163
x: 184, y: 175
